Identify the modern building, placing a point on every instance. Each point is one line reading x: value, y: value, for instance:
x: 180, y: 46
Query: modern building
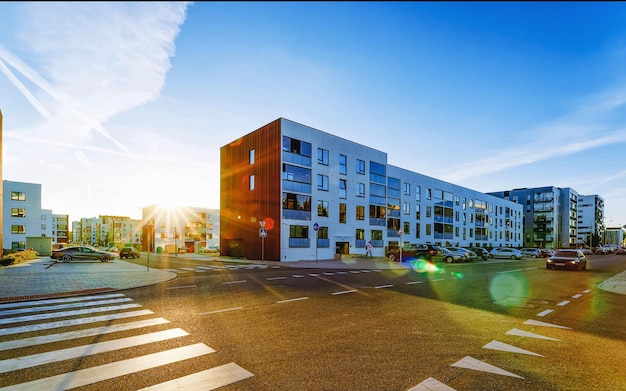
x: 23, y: 216
x: 550, y: 215
x: 179, y: 229
x: 60, y: 228
x: 590, y: 220
x: 615, y: 235
x: 290, y: 192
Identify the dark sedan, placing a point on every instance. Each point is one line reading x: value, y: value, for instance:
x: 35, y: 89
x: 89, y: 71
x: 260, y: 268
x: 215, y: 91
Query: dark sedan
x: 567, y: 259
x: 81, y: 253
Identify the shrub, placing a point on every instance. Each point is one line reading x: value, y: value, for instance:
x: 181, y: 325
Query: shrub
x: 18, y: 257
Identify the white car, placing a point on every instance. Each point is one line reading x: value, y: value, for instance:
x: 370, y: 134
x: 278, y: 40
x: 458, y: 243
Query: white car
x: 505, y: 252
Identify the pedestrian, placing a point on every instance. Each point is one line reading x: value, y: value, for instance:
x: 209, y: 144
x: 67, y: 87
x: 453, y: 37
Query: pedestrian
x: 368, y: 250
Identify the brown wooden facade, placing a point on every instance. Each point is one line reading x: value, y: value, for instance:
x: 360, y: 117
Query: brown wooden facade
x: 241, y: 208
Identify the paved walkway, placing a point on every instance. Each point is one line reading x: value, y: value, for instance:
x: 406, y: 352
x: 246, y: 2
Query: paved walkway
x: 44, y: 278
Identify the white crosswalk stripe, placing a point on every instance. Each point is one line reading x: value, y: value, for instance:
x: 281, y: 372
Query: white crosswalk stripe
x: 41, y: 315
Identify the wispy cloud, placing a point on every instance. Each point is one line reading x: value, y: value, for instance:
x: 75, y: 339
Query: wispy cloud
x: 580, y: 130
x: 96, y: 60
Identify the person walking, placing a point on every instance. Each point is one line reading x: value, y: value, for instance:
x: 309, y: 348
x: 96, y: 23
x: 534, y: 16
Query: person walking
x: 368, y: 250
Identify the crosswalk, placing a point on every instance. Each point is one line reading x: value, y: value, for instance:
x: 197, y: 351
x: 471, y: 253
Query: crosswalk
x: 203, y: 269
x: 37, y: 325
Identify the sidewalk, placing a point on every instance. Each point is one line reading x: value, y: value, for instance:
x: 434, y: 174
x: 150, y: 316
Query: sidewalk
x: 44, y: 278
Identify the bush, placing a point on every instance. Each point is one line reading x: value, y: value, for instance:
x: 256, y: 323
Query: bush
x: 18, y: 257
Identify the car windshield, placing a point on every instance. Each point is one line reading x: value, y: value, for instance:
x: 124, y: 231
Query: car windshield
x: 565, y: 254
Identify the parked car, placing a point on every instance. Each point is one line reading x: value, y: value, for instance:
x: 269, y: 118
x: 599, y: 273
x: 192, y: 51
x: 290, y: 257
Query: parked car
x: 505, y: 252
x: 482, y: 253
x: 586, y: 251
x: 469, y: 255
x: 428, y: 252
x: 621, y: 250
x: 601, y: 251
x: 210, y: 250
x: 81, y: 253
x: 531, y: 252
x: 129, y: 252
x: 546, y: 252
x: 567, y: 259
x: 452, y: 256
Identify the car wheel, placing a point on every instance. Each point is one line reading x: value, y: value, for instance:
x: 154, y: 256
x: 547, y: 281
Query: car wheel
x: 66, y: 258
x: 548, y: 267
x: 449, y: 259
x: 513, y: 257
x: 105, y: 258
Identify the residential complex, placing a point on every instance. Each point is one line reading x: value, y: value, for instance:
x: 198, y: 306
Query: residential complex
x: 291, y: 192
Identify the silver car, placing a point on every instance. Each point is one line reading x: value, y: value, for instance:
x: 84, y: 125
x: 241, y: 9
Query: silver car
x: 505, y: 252
x: 452, y: 256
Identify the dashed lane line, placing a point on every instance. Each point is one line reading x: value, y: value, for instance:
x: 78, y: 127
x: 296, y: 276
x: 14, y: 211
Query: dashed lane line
x: 563, y: 303
x: 383, y: 286
x: 344, y: 292
x: 234, y: 282
x: 290, y: 300
x: 181, y: 287
x: 224, y: 310
x: 544, y: 313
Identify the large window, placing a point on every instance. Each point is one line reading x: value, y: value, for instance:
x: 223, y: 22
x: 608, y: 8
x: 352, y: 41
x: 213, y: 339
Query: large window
x: 296, y: 206
x: 18, y: 196
x: 299, y: 236
x: 342, y: 213
x: 342, y: 188
x: 360, y: 212
x: 18, y: 212
x: 343, y: 164
x: 378, y: 172
x: 322, y: 156
x: 322, y: 208
x: 18, y: 229
x: 322, y: 182
x: 296, y: 146
x: 360, y: 166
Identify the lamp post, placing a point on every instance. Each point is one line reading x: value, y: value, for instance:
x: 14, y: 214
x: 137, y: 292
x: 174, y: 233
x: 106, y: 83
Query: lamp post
x: 175, y: 241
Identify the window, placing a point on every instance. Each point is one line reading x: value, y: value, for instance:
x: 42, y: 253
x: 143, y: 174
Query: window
x: 322, y: 208
x: 296, y: 146
x: 406, y: 208
x: 251, y: 182
x: 43, y: 227
x: 429, y: 194
x: 429, y: 211
x: 418, y: 193
x: 406, y: 227
x: 342, y: 188
x: 322, y: 233
x: 299, y: 236
x: 417, y: 212
x: 342, y: 213
x: 43, y: 217
x: 322, y: 156
x: 343, y: 164
x: 18, y: 229
x: 360, y: 234
x: 360, y: 189
x: 360, y: 212
x: 417, y: 230
x: 406, y: 188
x: 18, y: 196
x: 322, y: 182
x: 251, y: 156
x: 377, y: 234
x: 360, y: 166
x: 18, y: 212
x: 378, y: 172
x: 428, y: 229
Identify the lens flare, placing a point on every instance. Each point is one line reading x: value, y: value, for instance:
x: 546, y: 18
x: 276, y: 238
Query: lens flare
x: 510, y: 289
x: 422, y: 266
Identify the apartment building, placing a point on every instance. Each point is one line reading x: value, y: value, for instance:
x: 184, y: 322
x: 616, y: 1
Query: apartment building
x: 550, y: 215
x: 590, y: 220
x: 60, y: 228
x: 175, y: 229
x: 290, y: 192
x: 22, y: 214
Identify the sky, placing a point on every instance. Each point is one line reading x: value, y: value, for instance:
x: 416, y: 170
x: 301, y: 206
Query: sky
x: 112, y: 107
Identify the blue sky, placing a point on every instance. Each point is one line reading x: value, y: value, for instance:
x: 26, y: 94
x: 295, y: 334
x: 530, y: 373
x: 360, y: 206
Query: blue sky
x: 116, y: 106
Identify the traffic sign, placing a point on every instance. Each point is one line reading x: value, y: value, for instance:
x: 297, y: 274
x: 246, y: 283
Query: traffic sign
x: 316, y: 226
x: 262, y: 232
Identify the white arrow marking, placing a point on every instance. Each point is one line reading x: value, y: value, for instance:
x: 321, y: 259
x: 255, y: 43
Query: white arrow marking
x: 497, y: 345
x: 533, y: 322
x: 477, y: 365
x: 522, y: 333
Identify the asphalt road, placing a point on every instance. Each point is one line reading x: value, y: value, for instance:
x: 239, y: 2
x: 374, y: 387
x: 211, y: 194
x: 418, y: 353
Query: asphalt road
x: 481, y: 326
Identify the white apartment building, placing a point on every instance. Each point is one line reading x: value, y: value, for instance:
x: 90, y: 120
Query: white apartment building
x: 590, y: 219
x: 22, y: 214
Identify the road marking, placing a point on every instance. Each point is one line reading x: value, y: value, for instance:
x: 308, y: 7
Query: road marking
x: 431, y: 384
x: 522, y: 333
x: 56, y: 301
x: 533, y: 322
x: 234, y: 282
x: 191, y: 269
x: 414, y: 282
x: 438, y: 279
x: 366, y: 271
x: 383, y: 286
x: 87, y: 350
x: 32, y: 341
x: 64, y: 306
x: 217, y: 311
x: 298, y: 275
x: 342, y: 292
x: 108, y: 371
x: 181, y: 286
x: 329, y: 274
x: 73, y: 322
x: 210, y: 379
x: 289, y: 300
x: 342, y: 272
x: 29, y: 318
x: 477, y: 365
x: 564, y: 302
x: 206, y: 267
x: 544, y: 313
x: 497, y: 345
x: 576, y: 296
x: 587, y: 291
x: 314, y: 274
x: 355, y: 271
x: 276, y: 278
